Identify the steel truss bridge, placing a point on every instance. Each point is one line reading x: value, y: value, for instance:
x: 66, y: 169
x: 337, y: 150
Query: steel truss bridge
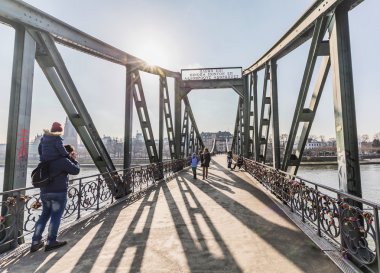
x: 325, y: 23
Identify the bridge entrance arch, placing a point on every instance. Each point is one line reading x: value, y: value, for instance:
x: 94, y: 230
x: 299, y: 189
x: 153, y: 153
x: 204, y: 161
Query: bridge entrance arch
x: 212, y: 78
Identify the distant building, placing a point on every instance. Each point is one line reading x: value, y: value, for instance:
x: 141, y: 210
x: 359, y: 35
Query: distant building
x: 33, y: 147
x: 70, y: 135
x: 313, y: 143
x: 220, y: 137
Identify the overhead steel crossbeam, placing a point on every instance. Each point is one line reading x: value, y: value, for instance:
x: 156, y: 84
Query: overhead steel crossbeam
x: 17, y: 12
x: 300, y: 32
x: 235, y: 84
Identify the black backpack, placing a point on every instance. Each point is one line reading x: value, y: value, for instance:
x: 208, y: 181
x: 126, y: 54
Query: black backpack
x: 41, y: 174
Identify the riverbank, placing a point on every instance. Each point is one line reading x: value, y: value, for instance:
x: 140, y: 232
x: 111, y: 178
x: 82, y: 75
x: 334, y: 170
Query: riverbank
x: 375, y: 161
x: 361, y: 162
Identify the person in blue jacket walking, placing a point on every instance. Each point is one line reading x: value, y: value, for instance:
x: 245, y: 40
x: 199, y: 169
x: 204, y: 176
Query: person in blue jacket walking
x: 194, y: 164
x: 54, y: 199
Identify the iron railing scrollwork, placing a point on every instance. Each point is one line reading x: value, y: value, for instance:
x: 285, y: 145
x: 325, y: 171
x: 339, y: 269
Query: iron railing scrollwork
x: 85, y: 195
x: 353, y: 230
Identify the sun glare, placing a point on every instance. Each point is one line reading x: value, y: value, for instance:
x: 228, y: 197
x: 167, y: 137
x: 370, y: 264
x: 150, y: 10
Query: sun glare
x: 154, y: 54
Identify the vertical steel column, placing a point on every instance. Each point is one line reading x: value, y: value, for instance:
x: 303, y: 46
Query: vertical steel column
x: 142, y: 113
x: 20, y: 107
x: 192, y: 141
x: 264, y: 122
x: 274, y: 121
x: 246, y: 114
x: 184, y: 133
x: 128, y: 118
x: 344, y: 104
x: 256, y: 144
x: 168, y: 117
x: 16, y: 157
x: 241, y: 126
x: 236, y: 130
x: 177, y: 117
x: 161, y: 121
x: 192, y: 119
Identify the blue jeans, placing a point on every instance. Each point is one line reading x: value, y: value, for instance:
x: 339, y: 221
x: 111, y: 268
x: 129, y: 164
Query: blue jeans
x: 53, y: 206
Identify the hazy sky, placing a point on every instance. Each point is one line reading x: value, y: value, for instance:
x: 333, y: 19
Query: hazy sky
x: 192, y: 34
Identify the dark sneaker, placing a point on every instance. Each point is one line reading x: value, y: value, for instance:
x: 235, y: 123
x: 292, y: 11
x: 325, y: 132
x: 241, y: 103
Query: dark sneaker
x: 55, y: 245
x: 36, y: 247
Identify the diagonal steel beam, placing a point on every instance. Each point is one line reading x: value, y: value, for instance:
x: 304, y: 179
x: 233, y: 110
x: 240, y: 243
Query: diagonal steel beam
x: 142, y: 113
x: 319, y: 32
x: 167, y: 115
x: 309, y: 115
x: 274, y: 120
x: 236, y: 130
x: 184, y: 133
x: 264, y: 122
x: 255, y: 126
x: 53, y: 66
x: 192, y: 119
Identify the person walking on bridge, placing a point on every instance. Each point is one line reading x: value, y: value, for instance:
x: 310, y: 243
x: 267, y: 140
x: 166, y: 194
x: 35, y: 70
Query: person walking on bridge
x: 194, y: 164
x: 54, y: 199
x: 206, y: 158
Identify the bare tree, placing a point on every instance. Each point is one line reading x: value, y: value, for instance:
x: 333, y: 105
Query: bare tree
x: 284, y: 139
x: 364, y: 138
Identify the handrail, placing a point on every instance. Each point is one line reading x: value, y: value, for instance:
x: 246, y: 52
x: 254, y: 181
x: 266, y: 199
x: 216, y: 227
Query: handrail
x: 352, y: 230
x: 85, y: 195
x: 350, y: 196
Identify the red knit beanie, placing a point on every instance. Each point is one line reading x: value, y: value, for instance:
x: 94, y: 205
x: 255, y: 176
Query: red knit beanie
x: 56, y: 127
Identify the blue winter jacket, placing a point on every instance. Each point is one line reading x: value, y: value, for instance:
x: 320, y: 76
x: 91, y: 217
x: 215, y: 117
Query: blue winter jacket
x: 51, y: 146
x: 60, y: 169
x: 194, y: 161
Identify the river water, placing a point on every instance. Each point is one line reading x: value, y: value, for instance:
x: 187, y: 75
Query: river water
x: 322, y: 174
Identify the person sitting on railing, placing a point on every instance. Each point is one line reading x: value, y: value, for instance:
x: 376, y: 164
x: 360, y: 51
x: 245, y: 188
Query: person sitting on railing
x: 54, y: 199
x: 239, y: 162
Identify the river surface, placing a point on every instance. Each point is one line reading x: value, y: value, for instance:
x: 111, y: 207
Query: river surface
x: 322, y: 174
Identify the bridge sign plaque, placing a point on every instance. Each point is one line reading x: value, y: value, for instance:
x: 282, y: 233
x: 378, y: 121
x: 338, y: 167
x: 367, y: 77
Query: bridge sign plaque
x: 201, y: 74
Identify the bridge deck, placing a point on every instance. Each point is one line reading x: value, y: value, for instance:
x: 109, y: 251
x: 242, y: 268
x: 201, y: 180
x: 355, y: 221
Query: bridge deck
x: 222, y: 224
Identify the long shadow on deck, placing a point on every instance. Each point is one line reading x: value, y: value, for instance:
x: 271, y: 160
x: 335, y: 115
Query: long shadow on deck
x: 291, y: 244
x: 294, y: 245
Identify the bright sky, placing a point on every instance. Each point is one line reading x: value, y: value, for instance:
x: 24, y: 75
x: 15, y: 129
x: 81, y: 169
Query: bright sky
x: 192, y: 34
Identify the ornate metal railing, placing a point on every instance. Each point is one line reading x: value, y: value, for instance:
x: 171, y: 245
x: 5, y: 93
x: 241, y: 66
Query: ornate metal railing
x: 22, y: 207
x: 341, y: 219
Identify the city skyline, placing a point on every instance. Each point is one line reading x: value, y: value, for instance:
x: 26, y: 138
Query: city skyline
x: 197, y: 39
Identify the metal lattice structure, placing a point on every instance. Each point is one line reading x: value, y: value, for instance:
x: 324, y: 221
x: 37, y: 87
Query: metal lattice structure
x: 325, y: 23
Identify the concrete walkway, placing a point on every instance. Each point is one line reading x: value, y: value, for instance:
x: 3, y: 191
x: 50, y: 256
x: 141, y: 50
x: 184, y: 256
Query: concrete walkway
x: 222, y: 224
